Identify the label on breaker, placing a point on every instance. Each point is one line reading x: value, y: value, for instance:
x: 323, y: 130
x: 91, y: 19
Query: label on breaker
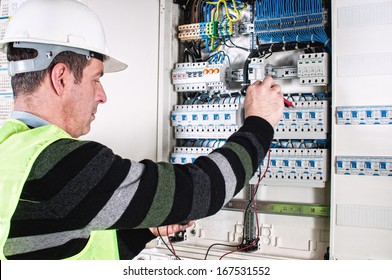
x: 365, y: 166
x: 204, y: 132
x: 363, y: 115
x: 307, y: 120
x: 295, y: 167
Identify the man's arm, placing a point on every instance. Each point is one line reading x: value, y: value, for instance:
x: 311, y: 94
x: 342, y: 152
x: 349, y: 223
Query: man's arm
x: 77, y: 186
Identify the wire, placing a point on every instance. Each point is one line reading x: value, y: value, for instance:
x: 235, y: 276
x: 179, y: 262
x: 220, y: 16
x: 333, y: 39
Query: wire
x: 243, y: 235
x: 218, y: 244
x: 171, y: 244
x: 216, y: 13
x: 238, y: 250
x: 233, y: 45
x: 290, y: 21
x: 252, y: 200
x: 171, y: 251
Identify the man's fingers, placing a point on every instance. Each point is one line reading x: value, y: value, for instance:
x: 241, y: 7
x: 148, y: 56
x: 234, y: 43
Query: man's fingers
x: 276, y: 88
x: 268, y: 82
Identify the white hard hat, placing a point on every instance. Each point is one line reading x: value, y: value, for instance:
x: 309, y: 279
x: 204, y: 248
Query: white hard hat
x: 53, y: 26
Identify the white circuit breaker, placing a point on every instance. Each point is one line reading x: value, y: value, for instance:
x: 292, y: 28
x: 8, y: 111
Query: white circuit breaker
x: 313, y: 69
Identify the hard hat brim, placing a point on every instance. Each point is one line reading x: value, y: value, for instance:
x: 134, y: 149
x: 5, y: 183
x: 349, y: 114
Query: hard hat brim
x: 111, y: 65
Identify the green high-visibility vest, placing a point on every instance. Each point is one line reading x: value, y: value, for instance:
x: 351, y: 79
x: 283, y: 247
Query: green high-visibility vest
x: 19, y: 148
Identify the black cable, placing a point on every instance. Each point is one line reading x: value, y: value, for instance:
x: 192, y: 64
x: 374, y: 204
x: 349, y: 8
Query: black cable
x: 289, y: 46
x: 218, y: 244
x: 233, y: 45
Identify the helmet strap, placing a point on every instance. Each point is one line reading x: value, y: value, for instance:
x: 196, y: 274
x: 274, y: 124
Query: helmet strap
x: 46, y: 54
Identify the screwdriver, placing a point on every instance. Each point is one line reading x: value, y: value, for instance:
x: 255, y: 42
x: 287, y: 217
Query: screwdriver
x: 287, y: 103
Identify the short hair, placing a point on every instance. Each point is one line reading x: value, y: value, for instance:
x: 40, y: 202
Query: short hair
x: 27, y: 83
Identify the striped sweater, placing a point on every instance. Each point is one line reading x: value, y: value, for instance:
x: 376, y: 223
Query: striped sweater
x: 75, y: 187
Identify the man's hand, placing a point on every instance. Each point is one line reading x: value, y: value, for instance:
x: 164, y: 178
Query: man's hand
x: 167, y: 230
x: 264, y: 99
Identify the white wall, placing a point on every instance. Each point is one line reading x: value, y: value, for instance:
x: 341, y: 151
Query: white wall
x: 127, y: 123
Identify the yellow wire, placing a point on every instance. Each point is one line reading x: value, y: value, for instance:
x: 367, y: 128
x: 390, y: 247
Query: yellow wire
x: 226, y: 9
x: 235, y: 10
x: 216, y: 15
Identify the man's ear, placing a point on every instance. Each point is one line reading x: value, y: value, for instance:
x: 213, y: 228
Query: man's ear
x: 59, y: 77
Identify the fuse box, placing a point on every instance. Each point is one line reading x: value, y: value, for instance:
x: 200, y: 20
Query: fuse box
x: 302, y: 208
x: 221, y: 52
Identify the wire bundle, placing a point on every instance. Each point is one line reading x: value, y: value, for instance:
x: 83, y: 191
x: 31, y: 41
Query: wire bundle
x: 291, y: 21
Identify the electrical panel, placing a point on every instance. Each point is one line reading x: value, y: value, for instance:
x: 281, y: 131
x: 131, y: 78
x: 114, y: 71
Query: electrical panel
x: 224, y: 47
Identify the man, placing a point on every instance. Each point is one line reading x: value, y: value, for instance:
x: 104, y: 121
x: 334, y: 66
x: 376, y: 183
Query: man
x: 62, y: 198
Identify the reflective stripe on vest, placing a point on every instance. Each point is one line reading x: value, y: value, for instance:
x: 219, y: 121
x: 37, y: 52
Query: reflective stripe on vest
x: 19, y: 148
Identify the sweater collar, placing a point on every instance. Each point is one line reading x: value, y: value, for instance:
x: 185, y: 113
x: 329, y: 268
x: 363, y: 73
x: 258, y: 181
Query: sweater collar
x: 29, y: 119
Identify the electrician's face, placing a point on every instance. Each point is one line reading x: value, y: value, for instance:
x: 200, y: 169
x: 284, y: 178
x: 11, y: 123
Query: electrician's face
x: 84, y: 99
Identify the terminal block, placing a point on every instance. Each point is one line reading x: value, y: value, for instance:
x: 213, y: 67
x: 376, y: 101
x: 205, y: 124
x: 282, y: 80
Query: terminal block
x: 274, y: 28
x: 295, y: 167
x: 366, y: 166
x: 313, y: 69
x: 306, y: 120
x: 226, y: 28
x: 206, y: 30
x: 189, y: 32
x: 363, y: 115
